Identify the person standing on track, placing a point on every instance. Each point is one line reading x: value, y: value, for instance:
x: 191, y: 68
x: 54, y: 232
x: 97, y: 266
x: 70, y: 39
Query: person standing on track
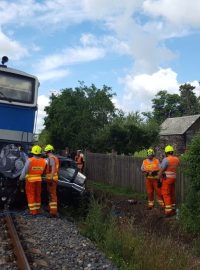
x: 32, y: 171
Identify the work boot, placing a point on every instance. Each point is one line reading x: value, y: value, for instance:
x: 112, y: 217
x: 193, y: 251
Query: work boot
x: 170, y: 214
x: 53, y: 215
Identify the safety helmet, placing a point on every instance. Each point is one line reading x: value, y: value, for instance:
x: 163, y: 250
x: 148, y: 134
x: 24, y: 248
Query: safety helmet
x: 48, y: 148
x: 36, y: 150
x: 150, y: 152
x: 169, y: 148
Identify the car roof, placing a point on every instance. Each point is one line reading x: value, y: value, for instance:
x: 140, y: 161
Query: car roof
x: 62, y: 158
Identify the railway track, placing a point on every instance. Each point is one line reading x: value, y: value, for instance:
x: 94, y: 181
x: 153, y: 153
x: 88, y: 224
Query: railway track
x: 17, y: 249
x: 22, y: 261
x: 42, y: 243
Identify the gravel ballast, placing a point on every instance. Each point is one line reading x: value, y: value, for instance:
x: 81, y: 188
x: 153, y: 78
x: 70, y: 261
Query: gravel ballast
x: 63, y: 246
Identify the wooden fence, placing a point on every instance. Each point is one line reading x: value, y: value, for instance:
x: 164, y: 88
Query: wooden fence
x: 125, y: 171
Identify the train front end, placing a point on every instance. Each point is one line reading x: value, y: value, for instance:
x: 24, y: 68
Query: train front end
x: 18, y: 107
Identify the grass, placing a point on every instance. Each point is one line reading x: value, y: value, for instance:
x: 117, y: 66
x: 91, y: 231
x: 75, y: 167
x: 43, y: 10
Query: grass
x: 130, y: 248
x: 115, y: 191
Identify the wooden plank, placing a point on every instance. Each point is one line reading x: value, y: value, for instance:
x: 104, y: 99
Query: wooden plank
x: 125, y: 171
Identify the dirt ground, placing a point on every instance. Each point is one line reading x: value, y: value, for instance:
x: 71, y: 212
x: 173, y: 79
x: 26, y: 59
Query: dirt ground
x: 151, y: 221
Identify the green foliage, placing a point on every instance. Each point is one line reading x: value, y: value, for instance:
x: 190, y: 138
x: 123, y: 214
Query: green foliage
x: 173, y: 105
x: 127, y: 134
x: 165, y: 105
x: 190, y: 211
x: 44, y: 138
x: 76, y: 115
x: 96, y: 223
x: 121, y: 245
x: 188, y: 101
x: 141, y: 154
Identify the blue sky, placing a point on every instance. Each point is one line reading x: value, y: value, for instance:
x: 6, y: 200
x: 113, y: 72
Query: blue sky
x: 136, y: 47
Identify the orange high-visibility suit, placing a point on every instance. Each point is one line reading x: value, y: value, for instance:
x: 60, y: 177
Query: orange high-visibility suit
x: 168, y: 183
x: 149, y: 166
x: 35, y: 168
x: 80, y: 162
x: 52, y: 182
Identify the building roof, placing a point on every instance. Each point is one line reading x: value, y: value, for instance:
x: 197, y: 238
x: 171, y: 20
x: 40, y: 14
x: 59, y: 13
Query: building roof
x: 178, y: 125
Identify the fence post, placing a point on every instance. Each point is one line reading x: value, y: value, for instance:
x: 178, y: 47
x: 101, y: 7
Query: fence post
x: 113, y: 157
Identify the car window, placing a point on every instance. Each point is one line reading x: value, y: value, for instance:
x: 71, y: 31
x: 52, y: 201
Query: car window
x: 67, y: 164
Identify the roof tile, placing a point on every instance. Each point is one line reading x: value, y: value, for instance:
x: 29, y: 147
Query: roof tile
x: 177, y: 125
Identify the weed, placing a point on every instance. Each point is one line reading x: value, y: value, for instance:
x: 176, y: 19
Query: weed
x: 130, y: 248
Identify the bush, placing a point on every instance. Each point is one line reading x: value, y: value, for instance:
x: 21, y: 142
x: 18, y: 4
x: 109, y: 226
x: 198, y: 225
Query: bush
x: 190, y: 210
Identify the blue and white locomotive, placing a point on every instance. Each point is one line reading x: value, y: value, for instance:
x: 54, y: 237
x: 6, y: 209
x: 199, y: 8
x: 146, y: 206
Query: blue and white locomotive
x: 18, y: 105
x: 18, y: 108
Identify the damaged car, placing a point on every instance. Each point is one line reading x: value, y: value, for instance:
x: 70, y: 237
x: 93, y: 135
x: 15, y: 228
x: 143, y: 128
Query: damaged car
x: 12, y: 160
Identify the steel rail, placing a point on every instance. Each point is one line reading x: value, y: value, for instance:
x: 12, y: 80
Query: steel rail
x: 18, y: 249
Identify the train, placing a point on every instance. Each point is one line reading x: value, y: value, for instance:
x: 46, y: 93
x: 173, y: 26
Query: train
x: 18, y: 115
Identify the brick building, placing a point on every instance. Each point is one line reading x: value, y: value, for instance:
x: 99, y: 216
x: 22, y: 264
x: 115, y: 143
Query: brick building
x: 178, y: 132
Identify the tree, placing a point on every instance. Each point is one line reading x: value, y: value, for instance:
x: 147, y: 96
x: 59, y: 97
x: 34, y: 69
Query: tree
x: 173, y: 105
x: 75, y: 115
x: 189, y: 103
x: 43, y: 138
x: 126, y: 134
x: 165, y: 105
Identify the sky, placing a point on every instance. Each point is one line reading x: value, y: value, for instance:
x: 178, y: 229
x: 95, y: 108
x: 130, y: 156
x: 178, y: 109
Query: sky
x: 137, y: 47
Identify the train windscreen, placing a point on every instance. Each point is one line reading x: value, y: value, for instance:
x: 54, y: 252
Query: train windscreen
x: 16, y: 88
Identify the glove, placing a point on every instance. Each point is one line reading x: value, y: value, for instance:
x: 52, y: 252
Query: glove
x: 154, y: 173
x: 159, y: 183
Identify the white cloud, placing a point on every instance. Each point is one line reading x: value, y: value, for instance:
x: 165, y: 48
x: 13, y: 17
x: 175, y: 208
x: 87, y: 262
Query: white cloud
x: 178, y: 12
x: 130, y: 36
x: 22, y: 12
x: 63, y: 11
x: 11, y: 48
x: 35, y: 48
x: 109, y: 43
x: 43, y: 101
x: 118, y: 104
x: 71, y: 56
x: 53, y: 74
x: 103, y: 9
x: 145, y: 42
x: 88, y: 39
x: 141, y: 89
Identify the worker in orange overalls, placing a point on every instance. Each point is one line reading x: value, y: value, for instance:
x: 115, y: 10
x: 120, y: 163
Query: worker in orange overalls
x: 32, y: 171
x: 150, y: 167
x: 167, y: 174
x: 52, y: 179
x: 79, y: 158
